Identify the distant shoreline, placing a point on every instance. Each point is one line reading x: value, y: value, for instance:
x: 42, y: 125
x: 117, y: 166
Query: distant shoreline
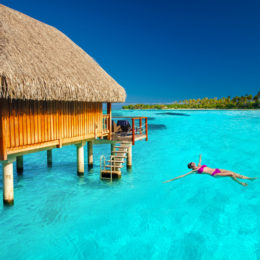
x: 247, y: 102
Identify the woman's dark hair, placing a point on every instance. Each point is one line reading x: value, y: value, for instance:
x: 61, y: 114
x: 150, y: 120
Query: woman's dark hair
x: 189, y: 165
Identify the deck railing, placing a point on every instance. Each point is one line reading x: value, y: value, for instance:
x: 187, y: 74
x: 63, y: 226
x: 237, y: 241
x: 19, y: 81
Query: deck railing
x: 139, y: 127
x: 106, y: 124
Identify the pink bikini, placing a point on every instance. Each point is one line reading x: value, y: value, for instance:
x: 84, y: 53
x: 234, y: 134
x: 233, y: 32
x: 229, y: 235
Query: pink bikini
x: 200, y: 170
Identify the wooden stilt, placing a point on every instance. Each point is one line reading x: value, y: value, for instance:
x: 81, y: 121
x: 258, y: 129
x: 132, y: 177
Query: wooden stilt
x: 19, y: 165
x: 90, y: 154
x: 8, y: 183
x: 112, y: 148
x: 129, y: 157
x: 49, y: 158
x: 80, y: 159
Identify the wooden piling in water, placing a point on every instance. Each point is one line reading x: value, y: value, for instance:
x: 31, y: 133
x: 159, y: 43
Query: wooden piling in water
x: 129, y: 157
x: 90, y: 154
x: 80, y: 159
x: 8, y: 183
x: 49, y: 158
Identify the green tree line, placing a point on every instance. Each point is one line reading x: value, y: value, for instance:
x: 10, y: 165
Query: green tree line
x: 242, y: 102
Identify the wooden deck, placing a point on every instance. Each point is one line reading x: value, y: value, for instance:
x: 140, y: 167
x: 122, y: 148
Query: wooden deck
x: 137, y: 132
x: 122, y: 137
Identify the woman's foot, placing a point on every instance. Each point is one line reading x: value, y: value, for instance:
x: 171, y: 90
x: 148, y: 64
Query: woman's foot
x: 252, y: 178
x: 244, y: 184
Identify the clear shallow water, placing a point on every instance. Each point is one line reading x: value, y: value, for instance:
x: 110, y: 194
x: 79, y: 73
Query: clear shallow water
x: 60, y: 216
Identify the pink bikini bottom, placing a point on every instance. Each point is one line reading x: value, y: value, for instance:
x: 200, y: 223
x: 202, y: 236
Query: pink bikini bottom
x: 216, y: 171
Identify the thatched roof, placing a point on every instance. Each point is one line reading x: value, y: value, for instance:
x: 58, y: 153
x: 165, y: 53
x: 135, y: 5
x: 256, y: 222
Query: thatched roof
x: 38, y: 62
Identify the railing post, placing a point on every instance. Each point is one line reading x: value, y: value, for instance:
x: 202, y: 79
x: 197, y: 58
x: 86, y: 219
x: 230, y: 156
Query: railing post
x: 140, y: 125
x: 146, y: 129
x: 109, y: 120
x: 133, y: 131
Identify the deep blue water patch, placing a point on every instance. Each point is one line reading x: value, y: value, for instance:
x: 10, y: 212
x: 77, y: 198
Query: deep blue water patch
x: 156, y: 127
x: 173, y: 114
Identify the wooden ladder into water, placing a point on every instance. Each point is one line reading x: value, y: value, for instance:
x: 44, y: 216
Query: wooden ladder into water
x: 111, y: 169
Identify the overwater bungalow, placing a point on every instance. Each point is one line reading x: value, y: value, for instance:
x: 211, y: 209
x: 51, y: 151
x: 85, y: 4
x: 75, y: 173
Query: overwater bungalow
x: 52, y: 94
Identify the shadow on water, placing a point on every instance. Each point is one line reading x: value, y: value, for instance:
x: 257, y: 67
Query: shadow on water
x: 156, y: 127
x: 173, y: 114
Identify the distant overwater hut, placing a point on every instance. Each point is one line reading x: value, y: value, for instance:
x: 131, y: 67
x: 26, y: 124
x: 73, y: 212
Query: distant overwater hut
x: 51, y: 95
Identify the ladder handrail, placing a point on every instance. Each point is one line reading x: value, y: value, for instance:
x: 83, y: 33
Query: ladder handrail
x: 102, y: 159
x: 112, y: 158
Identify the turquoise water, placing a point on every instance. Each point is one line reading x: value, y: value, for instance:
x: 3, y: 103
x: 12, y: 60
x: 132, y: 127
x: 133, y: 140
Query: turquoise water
x: 60, y: 216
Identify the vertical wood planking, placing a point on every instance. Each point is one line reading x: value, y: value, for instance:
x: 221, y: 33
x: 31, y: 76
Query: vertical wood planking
x: 48, y: 120
x: 24, y: 124
x: 3, y: 148
x: 28, y: 125
x: 64, y: 120
x: 88, y: 118
x: 1, y: 132
x: 20, y: 122
x: 53, y: 120
x: 51, y: 116
x: 61, y: 119
x: 76, y: 120
x: 79, y: 114
x: 109, y: 127
x: 31, y: 122
x: 32, y: 115
x: 40, y: 121
x: 11, y: 123
x: 16, y: 123
x: 43, y: 121
x: 35, y: 113
x: 91, y: 119
x: 69, y: 119
x: 85, y: 120
x: 67, y: 113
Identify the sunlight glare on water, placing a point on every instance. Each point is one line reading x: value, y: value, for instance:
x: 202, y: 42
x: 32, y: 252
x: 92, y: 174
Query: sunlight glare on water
x: 58, y: 215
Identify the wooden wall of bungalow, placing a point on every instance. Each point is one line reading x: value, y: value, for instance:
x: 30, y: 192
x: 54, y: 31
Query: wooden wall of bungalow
x: 33, y: 125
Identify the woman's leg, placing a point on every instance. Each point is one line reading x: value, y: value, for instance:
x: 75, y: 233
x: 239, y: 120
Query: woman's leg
x: 225, y: 173
x: 236, y: 175
x: 236, y: 180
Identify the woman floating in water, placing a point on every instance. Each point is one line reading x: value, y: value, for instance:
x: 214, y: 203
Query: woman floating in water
x: 203, y: 169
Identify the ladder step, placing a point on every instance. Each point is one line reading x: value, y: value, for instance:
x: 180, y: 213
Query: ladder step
x: 118, y: 152
x: 120, y: 156
x: 113, y: 166
x: 122, y: 146
x: 116, y: 161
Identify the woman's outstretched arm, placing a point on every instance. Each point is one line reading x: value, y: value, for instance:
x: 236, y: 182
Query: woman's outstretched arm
x: 199, y: 164
x: 179, y: 177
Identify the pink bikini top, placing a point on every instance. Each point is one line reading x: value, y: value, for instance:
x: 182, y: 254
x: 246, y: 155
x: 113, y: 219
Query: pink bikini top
x: 200, y: 170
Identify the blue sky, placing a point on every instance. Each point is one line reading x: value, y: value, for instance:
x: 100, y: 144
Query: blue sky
x: 161, y: 51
